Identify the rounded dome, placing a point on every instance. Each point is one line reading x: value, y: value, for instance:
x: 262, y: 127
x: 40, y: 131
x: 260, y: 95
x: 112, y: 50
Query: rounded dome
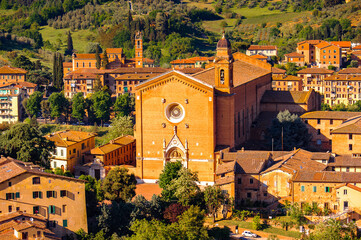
x: 223, y: 43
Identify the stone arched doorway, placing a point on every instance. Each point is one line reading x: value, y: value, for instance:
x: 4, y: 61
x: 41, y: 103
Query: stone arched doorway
x: 174, y: 154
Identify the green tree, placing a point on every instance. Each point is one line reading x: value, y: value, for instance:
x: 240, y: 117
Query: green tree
x: 191, y: 224
x: 97, y: 57
x: 23, y: 62
x: 121, y: 126
x: 118, y: 185
x: 105, y: 59
x: 185, y: 186
x: 33, y: 104
x: 256, y: 223
x: 123, y: 105
x: 26, y: 143
x: 69, y: 47
x: 45, y: 109
x: 288, y: 131
x: 101, y: 103
x: 58, y: 105
x: 354, y: 64
x: 78, y: 107
x: 333, y: 229
x: 93, y: 194
x: 214, y: 198
x: 169, y: 172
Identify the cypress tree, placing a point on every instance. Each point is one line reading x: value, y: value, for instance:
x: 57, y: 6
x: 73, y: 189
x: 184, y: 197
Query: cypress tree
x: 54, y: 68
x: 105, y: 59
x: 69, y: 49
x: 97, y: 57
x: 60, y: 72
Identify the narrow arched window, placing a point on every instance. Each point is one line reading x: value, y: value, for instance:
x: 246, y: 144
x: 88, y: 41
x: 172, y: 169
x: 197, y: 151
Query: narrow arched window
x: 222, y: 76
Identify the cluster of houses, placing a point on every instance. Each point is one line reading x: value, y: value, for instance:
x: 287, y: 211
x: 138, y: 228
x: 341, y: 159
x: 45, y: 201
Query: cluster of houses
x: 199, y: 113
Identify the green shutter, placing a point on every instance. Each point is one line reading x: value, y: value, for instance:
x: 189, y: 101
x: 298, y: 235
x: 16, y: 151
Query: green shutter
x: 314, y: 189
x: 17, y: 195
x: 50, y: 209
x: 302, y: 188
x: 12, y: 195
x: 40, y: 194
x: 65, y: 223
x: 34, y: 194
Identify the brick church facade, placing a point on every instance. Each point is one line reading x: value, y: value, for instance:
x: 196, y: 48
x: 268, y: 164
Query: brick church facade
x: 189, y: 118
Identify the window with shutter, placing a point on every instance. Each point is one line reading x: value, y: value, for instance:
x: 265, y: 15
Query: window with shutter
x: 17, y: 195
x: 65, y: 223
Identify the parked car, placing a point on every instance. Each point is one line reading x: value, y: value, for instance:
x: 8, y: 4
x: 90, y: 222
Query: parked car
x: 249, y: 234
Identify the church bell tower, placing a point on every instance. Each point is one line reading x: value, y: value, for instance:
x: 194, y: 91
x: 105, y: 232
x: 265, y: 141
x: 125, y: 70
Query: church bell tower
x: 138, y: 50
x: 223, y: 64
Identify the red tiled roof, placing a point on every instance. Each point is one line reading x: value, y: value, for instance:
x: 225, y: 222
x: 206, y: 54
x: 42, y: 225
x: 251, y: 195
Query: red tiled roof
x: 358, y: 47
x: 183, y: 61
x: 295, y: 97
x: 339, y: 115
x: 350, y: 186
x: 84, y: 55
x: 286, y: 78
x: 294, y: 54
x: 257, y: 56
x: 350, y: 70
x: 114, y: 50
x: 351, y: 125
x: 313, y: 42
x: 342, y: 44
x: 345, y: 161
x: 278, y: 70
x: 11, y: 168
x: 315, y: 70
x: 327, y: 176
x: 12, y: 70
x: 323, y: 45
x: 262, y: 47
x: 69, y: 137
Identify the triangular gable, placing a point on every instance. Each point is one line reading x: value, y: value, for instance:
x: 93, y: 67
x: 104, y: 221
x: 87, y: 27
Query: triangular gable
x: 179, y: 76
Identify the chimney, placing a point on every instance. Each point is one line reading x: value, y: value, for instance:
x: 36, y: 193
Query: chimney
x: 242, y: 150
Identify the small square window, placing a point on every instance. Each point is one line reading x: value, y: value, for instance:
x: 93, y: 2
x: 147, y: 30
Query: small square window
x: 318, y: 131
x: 9, y: 184
x: 65, y: 223
x: 302, y: 188
x: 327, y: 189
x: 314, y: 189
x: 350, y: 147
x: 251, y: 180
x: 63, y: 193
x: 345, y: 192
x: 36, y: 180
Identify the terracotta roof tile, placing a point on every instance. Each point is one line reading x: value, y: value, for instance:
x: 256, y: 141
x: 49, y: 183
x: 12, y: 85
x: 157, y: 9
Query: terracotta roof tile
x: 350, y: 70
x: 114, y: 50
x: 295, y: 97
x: 12, y: 70
x: 69, y: 137
x: 262, y: 47
x: 330, y: 115
x: 351, y: 125
x: 258, y: 56
x: 183, y: 61
x: 296, y: 161
x: 294, y: 54
x: 315, y: 71
x: 190, y: 70
x: 84, y: 55
x: 358, y: 47
x: 350, y: 186
x: 278, y: 70
x: 113, y: 145
x: 10, y: 168
x: 313, y: 42
x: 224, y: 180
x: 322, y: 45
x: 286, y: 78
x: 342, y: 44
x: 327, y: 176
x: 226, y: 167
x: 139, y: 70
x: 343, y: 77
x: 345, y: 161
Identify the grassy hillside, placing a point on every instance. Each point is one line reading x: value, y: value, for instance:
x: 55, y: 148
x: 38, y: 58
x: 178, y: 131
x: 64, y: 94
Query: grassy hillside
x: 58, y: 37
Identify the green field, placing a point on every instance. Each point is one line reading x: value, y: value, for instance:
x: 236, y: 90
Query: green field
x: 59, y: 36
